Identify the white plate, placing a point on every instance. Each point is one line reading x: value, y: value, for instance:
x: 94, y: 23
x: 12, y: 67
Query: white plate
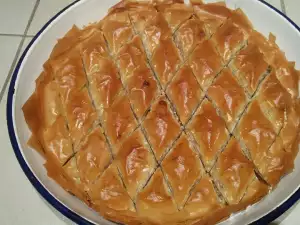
x: 265, y: 19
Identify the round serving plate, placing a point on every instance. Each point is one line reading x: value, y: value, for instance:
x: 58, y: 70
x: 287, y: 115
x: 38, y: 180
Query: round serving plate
x: 265, y: 19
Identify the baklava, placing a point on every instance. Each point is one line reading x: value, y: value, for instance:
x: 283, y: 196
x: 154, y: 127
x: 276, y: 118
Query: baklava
x: 166, y: 113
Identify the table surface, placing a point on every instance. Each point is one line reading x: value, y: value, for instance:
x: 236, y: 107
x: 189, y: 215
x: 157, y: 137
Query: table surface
x: 19, y: 22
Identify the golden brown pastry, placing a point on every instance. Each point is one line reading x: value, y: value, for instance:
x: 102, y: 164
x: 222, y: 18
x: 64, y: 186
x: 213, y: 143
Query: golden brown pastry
x: 209, y: 130
x: 229, y: 97
x: 166, y: 113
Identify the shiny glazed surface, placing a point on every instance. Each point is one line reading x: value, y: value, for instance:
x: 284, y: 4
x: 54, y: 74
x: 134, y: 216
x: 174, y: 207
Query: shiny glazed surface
x: 179, y: 111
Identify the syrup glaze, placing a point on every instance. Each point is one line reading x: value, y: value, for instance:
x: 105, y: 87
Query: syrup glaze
x: 117, y: 113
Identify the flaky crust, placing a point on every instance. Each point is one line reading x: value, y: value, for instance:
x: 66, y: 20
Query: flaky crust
x: 166, y: 113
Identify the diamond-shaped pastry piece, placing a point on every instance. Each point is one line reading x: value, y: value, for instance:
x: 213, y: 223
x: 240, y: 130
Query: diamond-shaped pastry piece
x: 156, y: 30
x: 141, y: 15
x: 155, y: 197
x: 161, y: 127
x: 189, y: 35
x: 275, y: 101
x: 203, y: 199
x: 92, y: 157
x: 249, y: 66
x: 175, y: 14
x: 142, y: 88
x: 213, y: 15
x: 229, y: 97
x: 57, y: 141
x: 119, y: 120
x: 69, y: 74
x: 205, y: 62
x: 185, y: 92
x: 233, y: 172
x: 182, y: 167
x: 80, y: 113
x: 267, y: 47
x: 136, y: 162
x: 109, y: 195
x: 229, y: 38
x: 273, y: 163
x: 104, y: 81
x: 117, y: 30
x: 255, y: 130
x: 165, y: 61
x: 210, y: 132
x: 92, y: 48
x: 131, y: 56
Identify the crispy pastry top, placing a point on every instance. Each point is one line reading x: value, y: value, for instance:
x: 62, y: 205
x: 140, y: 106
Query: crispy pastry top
x: 166, y: 113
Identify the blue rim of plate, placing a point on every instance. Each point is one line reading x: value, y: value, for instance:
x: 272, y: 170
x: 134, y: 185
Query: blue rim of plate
x: 271, y: 216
